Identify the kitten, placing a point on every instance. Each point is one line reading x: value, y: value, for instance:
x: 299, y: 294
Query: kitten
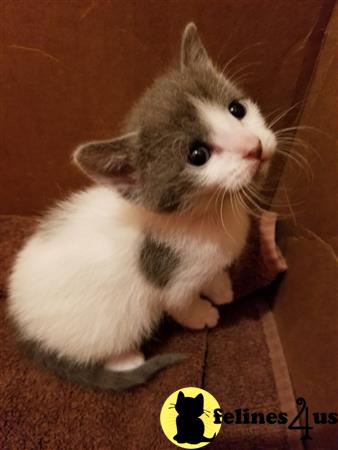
x: 155, y: 231
x: 190, y: 428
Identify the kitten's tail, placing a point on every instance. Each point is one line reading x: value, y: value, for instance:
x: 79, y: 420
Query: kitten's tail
x: 119, y: 381
x: 99, y: 377
x: 205, y: 439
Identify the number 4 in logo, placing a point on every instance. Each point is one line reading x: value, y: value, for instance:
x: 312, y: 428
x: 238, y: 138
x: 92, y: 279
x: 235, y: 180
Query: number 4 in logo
x: 306, y: 427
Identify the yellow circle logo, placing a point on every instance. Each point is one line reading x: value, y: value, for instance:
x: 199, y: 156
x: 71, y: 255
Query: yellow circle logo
x: 187, y: 418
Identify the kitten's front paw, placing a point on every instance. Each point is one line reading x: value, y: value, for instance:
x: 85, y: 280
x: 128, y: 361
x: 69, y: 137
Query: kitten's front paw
x: 227, y: 297
x: 219, y: 290
x: 199, y: 315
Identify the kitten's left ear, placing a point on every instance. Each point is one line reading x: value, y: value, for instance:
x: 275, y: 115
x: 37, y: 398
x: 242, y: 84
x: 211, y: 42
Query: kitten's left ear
x: 200, y: 399
x: 193, y: 52
x: 109, y: 162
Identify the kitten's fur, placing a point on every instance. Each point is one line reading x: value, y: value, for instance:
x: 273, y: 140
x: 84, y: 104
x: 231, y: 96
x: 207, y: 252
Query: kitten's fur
x: 103, y: 266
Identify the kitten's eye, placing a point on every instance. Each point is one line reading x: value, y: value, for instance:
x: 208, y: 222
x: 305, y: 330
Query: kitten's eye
x: 198, y: 154
x: 237, y: 109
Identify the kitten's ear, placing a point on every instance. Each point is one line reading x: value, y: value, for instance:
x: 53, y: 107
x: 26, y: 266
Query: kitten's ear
x: 199, y: 398
x: 109, y: 162
x: 193, y: 52
x: 180, y: 396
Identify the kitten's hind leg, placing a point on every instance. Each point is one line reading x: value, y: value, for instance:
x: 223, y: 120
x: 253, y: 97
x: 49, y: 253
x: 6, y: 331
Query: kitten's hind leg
x: 125, y: 361
x: 219, y: 289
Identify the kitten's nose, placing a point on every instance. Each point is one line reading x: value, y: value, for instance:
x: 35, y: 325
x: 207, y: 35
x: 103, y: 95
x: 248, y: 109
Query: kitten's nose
x: 255, y: 152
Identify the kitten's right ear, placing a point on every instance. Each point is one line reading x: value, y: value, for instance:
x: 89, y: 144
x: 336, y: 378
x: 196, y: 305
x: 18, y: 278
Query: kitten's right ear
x: 199, y: 398
x: 109, y: 162
x: 193, y: 52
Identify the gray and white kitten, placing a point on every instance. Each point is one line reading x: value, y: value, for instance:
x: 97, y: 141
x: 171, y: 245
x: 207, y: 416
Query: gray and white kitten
x: 155, y: 231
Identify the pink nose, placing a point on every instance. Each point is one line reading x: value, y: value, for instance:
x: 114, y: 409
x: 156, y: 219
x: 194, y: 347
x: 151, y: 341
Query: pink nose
x: 255, y: 152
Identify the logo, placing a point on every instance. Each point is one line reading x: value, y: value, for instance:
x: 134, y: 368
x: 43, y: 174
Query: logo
x: 191, y: 418
x: 187, y: 418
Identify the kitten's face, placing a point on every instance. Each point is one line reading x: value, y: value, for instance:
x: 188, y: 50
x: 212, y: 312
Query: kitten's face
x: 189, y: 406
x: 192, y: 132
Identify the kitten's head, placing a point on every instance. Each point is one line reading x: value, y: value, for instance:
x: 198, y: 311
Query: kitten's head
x: 189, y: 406
x: 191, y: 133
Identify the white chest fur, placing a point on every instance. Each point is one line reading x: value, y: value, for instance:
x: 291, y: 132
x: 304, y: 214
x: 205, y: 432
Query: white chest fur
x: 204, y: 247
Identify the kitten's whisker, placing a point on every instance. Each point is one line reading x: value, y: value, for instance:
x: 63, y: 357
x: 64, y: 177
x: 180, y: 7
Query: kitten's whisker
x: 206, y: 216
x: 295, y: 154
x: 275, y: 111
x: 257, y: 195
x: 212, y: 197
x: 243, y: 78
x: 242, y: 68
x: 298, y: 160
x: 295, y: 142
x: 231, y: 60
x: 232, y: 205
x: 290, y: 206
x: 240, y: 201
x: 267, y: 202
x: 257, y: 209
x: 219, y: 191
x: 283, y: 114
x: 279, y: 204
x: 301, y: 127
x: 222, y: 218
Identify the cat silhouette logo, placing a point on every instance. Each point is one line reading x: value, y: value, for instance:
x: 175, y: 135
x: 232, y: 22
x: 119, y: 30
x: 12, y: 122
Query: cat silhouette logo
x: 187, y: 418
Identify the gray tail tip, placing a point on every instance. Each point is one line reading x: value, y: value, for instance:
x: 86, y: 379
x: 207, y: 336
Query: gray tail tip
x: 165, y: 360
x: 157, y: 363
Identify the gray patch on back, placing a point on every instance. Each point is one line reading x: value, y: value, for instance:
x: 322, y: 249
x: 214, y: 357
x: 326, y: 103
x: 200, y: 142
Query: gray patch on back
x: 158, y: 261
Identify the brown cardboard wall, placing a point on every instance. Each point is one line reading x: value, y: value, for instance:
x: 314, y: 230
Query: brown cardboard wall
x: 306, y: 307
x: 313, y: 190
x: 306, y: 313
x: 70, y: 71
